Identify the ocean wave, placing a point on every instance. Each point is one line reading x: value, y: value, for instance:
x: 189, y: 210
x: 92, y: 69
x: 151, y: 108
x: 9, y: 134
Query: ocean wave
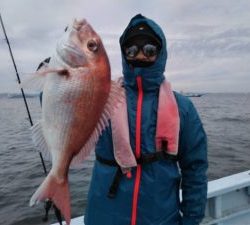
x: 232, y: 119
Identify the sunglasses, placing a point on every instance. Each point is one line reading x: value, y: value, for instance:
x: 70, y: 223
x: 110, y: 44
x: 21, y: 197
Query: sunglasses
x: 148, y: 50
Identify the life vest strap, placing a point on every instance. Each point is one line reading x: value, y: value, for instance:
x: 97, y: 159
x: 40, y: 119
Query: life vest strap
x: 115, y: 184
x: 144, y: 159
x: 156, y: 156
x: 106, y: 161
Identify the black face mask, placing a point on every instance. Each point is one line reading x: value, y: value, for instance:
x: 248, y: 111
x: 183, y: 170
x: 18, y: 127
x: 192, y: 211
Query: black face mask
x: 139, y: 63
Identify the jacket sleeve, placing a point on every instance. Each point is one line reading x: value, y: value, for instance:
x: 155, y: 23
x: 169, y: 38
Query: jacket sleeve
x: 193, y: 165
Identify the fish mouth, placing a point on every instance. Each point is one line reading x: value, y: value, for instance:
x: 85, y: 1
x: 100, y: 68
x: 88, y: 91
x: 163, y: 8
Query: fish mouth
x: 72, y: 49
x: 71, y: 55
x: 79, y: 24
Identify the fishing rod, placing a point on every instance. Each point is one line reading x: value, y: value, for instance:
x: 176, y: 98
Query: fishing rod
x: 22, y: 91
x: 48, y: 203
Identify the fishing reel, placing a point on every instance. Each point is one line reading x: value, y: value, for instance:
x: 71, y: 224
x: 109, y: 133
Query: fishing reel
x: 48, y: 204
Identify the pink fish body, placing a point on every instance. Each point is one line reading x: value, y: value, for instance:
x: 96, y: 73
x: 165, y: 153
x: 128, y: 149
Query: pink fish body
x: 77, y: 102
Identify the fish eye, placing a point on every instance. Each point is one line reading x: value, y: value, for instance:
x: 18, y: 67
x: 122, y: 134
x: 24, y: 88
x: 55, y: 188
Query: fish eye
x: 92, y: 46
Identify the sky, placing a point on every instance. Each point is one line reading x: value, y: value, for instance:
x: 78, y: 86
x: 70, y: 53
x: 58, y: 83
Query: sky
x: 208, y: 42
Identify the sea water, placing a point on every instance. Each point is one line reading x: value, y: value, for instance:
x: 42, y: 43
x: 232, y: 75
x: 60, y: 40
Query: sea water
x: 226, y: 119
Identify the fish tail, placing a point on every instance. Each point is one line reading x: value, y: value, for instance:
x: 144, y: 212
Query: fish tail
x: 57, y: 192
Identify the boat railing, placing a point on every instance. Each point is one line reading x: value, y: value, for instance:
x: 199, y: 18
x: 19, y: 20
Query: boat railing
x: 228, y: 200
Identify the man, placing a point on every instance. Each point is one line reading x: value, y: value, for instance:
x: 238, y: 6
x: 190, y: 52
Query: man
x: 150, y: 194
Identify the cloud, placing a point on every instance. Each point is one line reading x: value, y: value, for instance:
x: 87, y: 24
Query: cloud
x: 226, y: 43
x: 208, y: 42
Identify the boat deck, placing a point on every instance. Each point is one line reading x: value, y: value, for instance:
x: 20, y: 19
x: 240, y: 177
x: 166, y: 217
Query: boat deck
x: 228, y: 201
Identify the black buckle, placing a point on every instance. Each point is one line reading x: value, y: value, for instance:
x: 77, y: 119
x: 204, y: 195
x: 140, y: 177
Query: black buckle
x: 154, y: 157
x: 144, y: 159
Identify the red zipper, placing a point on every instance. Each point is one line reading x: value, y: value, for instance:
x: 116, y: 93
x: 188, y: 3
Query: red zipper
x: 137, y: 151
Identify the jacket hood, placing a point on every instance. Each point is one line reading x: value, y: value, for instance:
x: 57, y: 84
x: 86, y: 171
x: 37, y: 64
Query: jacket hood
x: 152, y: 76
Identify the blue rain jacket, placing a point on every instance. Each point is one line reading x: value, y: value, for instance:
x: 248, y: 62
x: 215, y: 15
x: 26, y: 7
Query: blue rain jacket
x: 158, y: 198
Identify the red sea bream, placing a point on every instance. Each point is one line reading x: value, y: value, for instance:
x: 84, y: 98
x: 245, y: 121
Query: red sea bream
x: 78, y: 99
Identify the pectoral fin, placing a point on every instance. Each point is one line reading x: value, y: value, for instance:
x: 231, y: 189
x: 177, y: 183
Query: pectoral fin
x: 36, y: 81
